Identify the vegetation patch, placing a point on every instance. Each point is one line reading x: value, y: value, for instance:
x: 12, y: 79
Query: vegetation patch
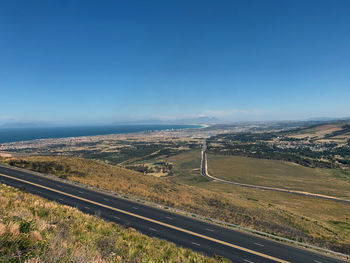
x: 321, y: 146
x: 33, y: 229
x: 343, y: 225
x: 279, y: 174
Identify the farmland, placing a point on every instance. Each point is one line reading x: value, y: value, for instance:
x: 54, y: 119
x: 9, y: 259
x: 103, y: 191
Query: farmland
x: 280, y: 174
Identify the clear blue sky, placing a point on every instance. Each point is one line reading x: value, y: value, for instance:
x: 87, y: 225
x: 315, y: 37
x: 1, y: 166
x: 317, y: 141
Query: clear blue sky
x: 104, y: 61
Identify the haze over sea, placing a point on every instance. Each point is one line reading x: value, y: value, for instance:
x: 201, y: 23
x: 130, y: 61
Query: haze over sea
x: 26, y: 134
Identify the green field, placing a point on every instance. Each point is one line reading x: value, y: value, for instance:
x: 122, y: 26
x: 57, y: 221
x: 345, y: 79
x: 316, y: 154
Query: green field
x: 187, y: 168
x: 280, y: 174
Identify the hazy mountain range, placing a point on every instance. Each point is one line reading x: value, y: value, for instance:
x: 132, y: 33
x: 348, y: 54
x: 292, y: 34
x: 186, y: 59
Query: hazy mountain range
x: 188, y: 121
x: 198, y: 120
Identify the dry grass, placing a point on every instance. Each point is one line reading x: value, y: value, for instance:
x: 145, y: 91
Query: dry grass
x: 304, y: 217
x: 278, y: 174
x: 296, y: 217
x: 318, y: 131
x: 35, y: 230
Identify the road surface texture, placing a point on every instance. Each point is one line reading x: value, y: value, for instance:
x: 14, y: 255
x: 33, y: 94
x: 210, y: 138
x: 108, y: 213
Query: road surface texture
x: 187, y: 232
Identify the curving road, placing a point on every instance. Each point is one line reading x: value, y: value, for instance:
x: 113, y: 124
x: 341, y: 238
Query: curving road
x: 204, y: 172
x: 188, y: 232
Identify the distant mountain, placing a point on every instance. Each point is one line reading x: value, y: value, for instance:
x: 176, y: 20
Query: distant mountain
x: 196, y: 120
x: 17, y: 124
x: 328, y: 119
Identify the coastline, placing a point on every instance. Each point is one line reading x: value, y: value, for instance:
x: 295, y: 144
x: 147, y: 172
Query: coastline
x: 133, y: 129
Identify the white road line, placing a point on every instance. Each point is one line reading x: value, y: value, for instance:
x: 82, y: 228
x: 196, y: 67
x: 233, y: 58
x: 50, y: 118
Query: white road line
x: 256, y: 253
x: 87, y: 207
x: 105, y: 199
x: 246, y: 260
x: 258, y: 244
x: 116, y: 217
x: 169, y: 217
x: 58, y: 185
x: 152, y: 229
x: 317, y: 261
x: 211, y: 230
x: 134, y: 207
x: 194, y: 243
x: 60, y: 199
x: 80, y: 192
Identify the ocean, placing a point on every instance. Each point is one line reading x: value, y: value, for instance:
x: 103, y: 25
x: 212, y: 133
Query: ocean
x: 26, y: 134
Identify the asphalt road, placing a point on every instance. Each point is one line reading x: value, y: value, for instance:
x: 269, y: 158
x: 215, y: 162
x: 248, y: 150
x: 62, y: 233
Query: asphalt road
x: 184, y: 231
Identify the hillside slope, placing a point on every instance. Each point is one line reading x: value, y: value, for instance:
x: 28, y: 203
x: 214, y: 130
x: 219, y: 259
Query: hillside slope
x: 33, y: 229
x: 277, y: 213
